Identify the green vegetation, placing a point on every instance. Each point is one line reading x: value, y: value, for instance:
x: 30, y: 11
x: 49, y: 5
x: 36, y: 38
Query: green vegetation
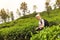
x: 21, y: 29
x: 50, y: 33
x: 24, y: 28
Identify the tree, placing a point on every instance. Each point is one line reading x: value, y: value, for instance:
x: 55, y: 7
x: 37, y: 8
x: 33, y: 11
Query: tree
x: 18, y: 12
x: 48, y: 7
x: 54, y: 6
x: 23, y: 7
x: 47, y: 4
x: 28, y: 11
x: 12, y: 16
x: 48, y: 10
x: 3, y: 14
x: 58, y: 3
x: 34, y: 8
x: 8, y: 14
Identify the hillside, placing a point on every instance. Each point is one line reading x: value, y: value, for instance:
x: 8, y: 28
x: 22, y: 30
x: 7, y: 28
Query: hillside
x: 24, y: 28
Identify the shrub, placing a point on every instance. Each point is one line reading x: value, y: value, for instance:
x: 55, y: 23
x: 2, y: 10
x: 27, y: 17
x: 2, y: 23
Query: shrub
x: 52, y: 33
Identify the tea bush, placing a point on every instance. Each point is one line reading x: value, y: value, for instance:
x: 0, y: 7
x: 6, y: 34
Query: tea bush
x: 52, y: 33
x: 24, y: 28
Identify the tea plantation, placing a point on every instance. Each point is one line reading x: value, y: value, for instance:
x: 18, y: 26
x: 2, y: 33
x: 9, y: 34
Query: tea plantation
x: 24, y: 28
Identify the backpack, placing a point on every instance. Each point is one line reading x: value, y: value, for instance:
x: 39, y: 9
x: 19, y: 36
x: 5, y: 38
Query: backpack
x: 46, y: 23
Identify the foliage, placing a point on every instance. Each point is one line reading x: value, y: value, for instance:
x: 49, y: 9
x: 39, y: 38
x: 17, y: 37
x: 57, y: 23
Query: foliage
x: 19, y: 30
x: 23, y: 7
x: 3, y: 14
x: 24, y: 28
x: 48, y: 7
x: 50, y: 33
x: 18, y: 12
x: 58, y: 3
x: 34, y: 8
x: 12, y: 16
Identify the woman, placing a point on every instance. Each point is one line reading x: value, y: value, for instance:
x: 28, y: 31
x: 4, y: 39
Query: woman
x: 42, y: 22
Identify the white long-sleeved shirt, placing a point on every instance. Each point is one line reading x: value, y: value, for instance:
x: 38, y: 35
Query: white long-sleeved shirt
x: 41, y: 24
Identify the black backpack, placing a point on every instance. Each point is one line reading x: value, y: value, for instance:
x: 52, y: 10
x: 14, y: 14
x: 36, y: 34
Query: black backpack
x: 46, y: 23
